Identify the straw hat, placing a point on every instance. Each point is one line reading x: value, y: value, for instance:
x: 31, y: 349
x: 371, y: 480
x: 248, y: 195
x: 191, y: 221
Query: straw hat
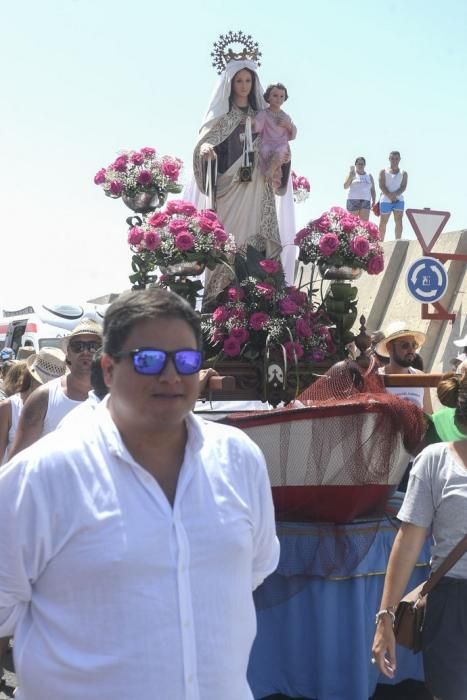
x: 461, y: 342
x: 85, y: 327
x: 48, y: 364
x: 396, y: 330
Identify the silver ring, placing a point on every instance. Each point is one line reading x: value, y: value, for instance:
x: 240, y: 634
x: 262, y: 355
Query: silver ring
x: 373, y: 660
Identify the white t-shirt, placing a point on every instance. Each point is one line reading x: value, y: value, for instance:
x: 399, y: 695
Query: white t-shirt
x: 106, y: 586
x: 414, y: 394
x: 437, y: 494
x: 360, y: 187
x: 393, y: 181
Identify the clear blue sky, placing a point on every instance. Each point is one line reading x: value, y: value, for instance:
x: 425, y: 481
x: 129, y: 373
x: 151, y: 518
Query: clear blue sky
x: 84, y: 78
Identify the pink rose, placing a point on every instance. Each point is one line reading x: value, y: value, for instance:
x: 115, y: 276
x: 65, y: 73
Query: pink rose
x: 147, y: 151
x: 120, y: 163
x: 220, y: 235
x: 205, y: 224
x: 135, y: 235
x: 303, y: 183
x: 158, y: 220
x: 324, y: 332
x: 266, y: 290
x: 240, y: 334
x: 231, y: 347
x: 270, y: 266
x: 375, y: 265
x: 209, y: 214
x: 184, y: 241
x: 177, y: 225
x: 179, y: 206
x: 328, y: 244
x: 322, y: 224
x: 235, y: 294
x: 331, y: 348
x: 287, y: 306
x: 303, y: 233
x: 116, y: 188
x: 293, y: 350
x: 171, y: 170
x: 152, y: 240
x: 99, y: 177
x: 338, y: 211
x: 359, y: 246
x: 219, y: 315
x: 299, y: 298
x: 145, y: 178
x: 303, y: 329
x: 258, y: 320
x: 373, y: 230
x: 348, y: 223
x: 137, y: 158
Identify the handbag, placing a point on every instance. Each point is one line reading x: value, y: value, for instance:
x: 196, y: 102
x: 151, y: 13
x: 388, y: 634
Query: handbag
x: 376, y: 209
x: 410, y: 613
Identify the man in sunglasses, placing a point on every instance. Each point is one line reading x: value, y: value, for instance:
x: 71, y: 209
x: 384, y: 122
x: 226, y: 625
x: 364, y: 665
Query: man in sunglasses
x: 49, y: 404
x: 130, y: 546
x: 400, y: 345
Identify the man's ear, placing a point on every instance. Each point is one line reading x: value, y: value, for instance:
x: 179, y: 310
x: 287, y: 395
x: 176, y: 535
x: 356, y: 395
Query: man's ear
x: 107, y: 366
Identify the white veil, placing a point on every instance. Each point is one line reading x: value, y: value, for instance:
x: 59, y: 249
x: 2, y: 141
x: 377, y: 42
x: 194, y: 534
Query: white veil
x: 219, y: 102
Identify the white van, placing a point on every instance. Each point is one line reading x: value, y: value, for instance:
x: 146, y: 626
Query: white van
x: 44, y: 325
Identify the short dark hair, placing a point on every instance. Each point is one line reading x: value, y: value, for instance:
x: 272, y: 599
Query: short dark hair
x: 270, y: 88
x: 395, y: 153
x: 360, y: 158
x: 143, y: 305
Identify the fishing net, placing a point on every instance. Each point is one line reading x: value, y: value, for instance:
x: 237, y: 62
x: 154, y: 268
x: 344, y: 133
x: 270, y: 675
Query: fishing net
x: 338, y: 458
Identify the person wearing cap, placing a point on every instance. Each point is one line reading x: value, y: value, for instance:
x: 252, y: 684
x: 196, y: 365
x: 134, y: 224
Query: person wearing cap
x: 44, y: 410
x: 400, y: 345
x: 130, y: 545
x: 39, y: 369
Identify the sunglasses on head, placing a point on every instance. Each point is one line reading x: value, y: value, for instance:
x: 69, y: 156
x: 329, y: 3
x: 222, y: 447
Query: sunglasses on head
x: 152, y: 361
x: 83, y: 345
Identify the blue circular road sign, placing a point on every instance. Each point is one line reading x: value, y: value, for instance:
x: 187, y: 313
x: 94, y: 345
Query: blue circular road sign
x: 426, y: 280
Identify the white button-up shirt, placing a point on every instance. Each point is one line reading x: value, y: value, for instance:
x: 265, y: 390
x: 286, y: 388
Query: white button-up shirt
x: 110, y: 590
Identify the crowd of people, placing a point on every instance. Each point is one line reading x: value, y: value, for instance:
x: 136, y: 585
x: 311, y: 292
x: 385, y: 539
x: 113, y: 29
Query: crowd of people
x: 132, y: 532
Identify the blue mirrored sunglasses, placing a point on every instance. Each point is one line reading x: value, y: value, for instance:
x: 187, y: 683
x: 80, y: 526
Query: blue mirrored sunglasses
x: 152, y: 361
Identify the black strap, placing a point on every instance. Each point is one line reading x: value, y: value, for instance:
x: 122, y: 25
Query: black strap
x: 454, y: 555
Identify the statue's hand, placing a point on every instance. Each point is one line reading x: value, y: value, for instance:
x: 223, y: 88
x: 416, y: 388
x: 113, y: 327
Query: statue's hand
x: 207, y: 152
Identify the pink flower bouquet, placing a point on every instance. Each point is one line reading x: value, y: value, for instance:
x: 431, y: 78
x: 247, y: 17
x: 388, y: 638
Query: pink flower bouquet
x: 182, y: 234
x: 134, y: 172
x: 301, y: 187
x: 262, y: 311
x: 338, y: 238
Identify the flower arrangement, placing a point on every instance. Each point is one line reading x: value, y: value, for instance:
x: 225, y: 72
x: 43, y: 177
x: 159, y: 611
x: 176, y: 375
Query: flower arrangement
x: 338, y: 238
x: 301, y: 187
x: 181, y: 241
x: 134, y: 172
x: 261, y: 312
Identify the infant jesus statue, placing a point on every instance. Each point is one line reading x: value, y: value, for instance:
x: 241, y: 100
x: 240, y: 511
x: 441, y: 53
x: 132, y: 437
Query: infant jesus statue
x: 276, y: 129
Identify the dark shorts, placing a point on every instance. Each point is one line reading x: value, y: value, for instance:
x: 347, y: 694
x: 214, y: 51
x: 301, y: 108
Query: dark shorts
x: 357, y: 204
x: 445, y: 640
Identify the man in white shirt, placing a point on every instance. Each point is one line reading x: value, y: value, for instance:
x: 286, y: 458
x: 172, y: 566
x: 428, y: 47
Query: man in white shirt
x: 129, y: 550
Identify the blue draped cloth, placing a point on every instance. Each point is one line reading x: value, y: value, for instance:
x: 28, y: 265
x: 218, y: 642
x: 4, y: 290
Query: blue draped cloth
x: 316, y: 642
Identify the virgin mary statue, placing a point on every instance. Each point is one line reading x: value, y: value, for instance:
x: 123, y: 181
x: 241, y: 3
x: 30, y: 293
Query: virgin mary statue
x: 229, y: 180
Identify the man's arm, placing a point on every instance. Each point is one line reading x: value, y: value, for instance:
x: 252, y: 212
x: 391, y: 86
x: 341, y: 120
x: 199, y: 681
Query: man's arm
x: 403, y: 186
x: 31, y: 422
x: 382, y: 184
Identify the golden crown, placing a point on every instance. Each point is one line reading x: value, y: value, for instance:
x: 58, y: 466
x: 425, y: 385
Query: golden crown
x: 223, y: 52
